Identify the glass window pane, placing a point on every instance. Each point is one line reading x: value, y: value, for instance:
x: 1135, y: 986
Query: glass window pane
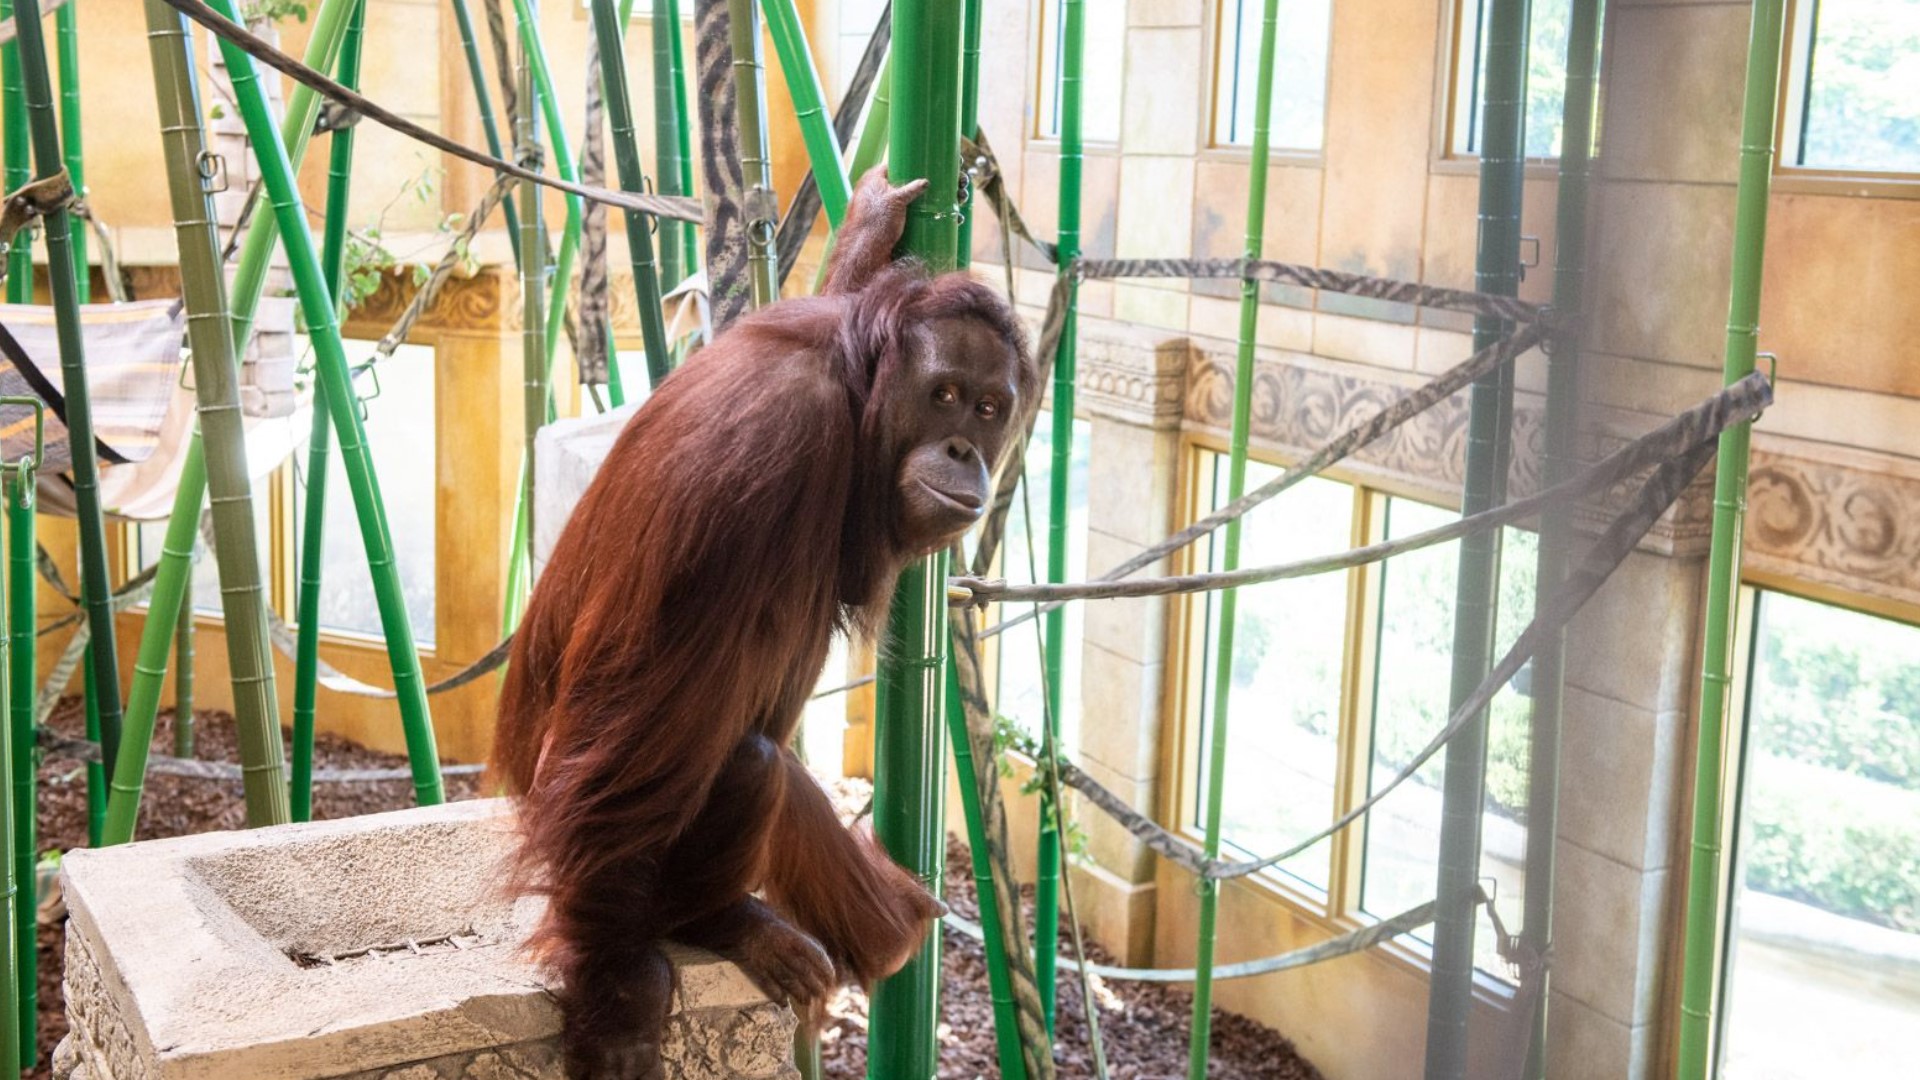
x: 1023, y: 560
x: 1825, y: 966
x: 1299, y: 73
x: 1288, y: 649
x: 400, y: 435
x: 1103, y: 59
x: 1411, y: 687
x: 1546, y: 77
x: 1860, y: 85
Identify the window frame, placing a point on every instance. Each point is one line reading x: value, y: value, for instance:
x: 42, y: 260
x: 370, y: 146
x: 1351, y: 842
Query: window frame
x: 1041, y: 94
x: 1212, y: 43
x: 1789, y: 123
x: 1445, y: 159
x: 1338, y: 909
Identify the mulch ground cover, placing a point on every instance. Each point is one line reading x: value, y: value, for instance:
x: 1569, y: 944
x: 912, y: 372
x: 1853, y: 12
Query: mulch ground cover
x: 1144, y: 1026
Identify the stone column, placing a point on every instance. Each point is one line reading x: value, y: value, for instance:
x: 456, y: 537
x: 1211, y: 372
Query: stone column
x: 1131, y: 385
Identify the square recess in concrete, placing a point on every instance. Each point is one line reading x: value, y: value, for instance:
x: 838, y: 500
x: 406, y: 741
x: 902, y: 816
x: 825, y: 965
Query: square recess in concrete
x: 380, y: 946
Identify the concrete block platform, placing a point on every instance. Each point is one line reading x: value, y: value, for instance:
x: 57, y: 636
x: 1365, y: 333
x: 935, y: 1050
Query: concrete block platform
x: 375, y: 947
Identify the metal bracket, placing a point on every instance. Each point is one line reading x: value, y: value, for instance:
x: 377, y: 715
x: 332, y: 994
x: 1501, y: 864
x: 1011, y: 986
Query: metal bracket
x: 1527, y: 264
x: 212, y: 168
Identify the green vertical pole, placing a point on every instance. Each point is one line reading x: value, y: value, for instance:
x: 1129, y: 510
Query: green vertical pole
x: 533, y: 364
x: 1198, y: 1046
x: 1046, y: 889
x: 313, y: 527
x: 183, y: 680
x: 483, y: 100
x: 626, y: 153
x: 810, y: 106
x: 756, y: 166
x: 668, y: 115
x: 1723, y: 568
x: 66, y: 32
x: 1556, y: 523
x: 17, y: 153
x: 316, y: 305
x: 296, y: 130
x: 216, y: 461
x: 1502, y: 163
x: 104, y: 671
x: 563, y: 161
x: 909, y: 784
x: 16, y: 887
x: 1006, y: 1029
x: 683, y: 174
x: 21, y: 620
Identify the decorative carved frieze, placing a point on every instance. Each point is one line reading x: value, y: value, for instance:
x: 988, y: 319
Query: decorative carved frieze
x: 1299, y: 406
x: 1133, y: 381
x: 1847, y: 520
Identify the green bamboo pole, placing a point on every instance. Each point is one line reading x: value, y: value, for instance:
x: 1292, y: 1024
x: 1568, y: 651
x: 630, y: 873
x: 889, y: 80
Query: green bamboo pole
x: 563, y: 159
x: 19, y: 167
x: 756, y: 166
x: 1046, y: 889
x: 626, y: 153
x: 909, y: 781
x: 972, y: 18
x: 1556, y: 525
x: 15, y: 883
x: 331, y: 362
x: 533, y: 365
x: 216, y: 460
x: 98, y: 793
x: 313, y: 527
x: 1723, y: 573
x: 683, y: 132
x: 66, y: 32
x: 296, y: 131
x: 810, y: 106
x: 1006, y: 1025
x: 1198, y: 1045
x: 171, y: 597
x: 483, y: 100
x: 668, y: 112
x: 869, y: 147
x: 21, y: 625
x: 183, y: 680
x: 104, y: 670
x: 1502, y: 162
x: 1006, y: 1030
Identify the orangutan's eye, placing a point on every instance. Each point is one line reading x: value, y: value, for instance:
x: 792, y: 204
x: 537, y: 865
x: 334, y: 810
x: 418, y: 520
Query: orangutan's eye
x: 987, y: 410
x: 947, y: 395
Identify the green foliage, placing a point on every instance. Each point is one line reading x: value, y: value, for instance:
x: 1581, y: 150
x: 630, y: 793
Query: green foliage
x: 1834, y: 840
x: 1848, y: 701
x: 1862, y: 111
x: 257, y: 11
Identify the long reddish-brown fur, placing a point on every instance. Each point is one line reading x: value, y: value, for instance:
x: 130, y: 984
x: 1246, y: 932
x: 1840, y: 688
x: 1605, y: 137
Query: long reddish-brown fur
x: 743, y: 516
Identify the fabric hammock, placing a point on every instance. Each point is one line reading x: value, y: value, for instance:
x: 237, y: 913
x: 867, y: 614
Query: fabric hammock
x: 143, y: 410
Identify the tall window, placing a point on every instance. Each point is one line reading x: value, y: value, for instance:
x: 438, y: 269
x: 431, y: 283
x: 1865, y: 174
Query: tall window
x: 400, y: 435
x: 1412, y: 681
x: 1284, y: 695
x: 1023, y: 560
x: 1546, y: 77
x: 1299, y: 111
x: 1852, y: 86
x: 1337, y: 681
x: 1823, y: 966
x: 1104, y: 57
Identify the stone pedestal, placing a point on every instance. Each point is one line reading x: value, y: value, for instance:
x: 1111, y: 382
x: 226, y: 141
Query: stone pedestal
x: 380, y: 946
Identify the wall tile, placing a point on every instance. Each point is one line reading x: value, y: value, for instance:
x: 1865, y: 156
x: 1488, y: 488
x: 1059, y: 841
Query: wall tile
x: 1635, y: 642
x: 1156, y: 208
x: 1662, y: 260
x: 1161, y: 308
x: 1584, y: 1044
x: 1606, y: 933
x: 1673, y: 92
x: 1365, y: 341
x: 1837, y: 302
x: 1160, y: 113
x: 1136, y: 628
x: 1619, y: 782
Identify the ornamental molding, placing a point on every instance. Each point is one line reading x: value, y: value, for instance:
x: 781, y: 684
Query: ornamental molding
x: 1842, y: 518
x: 1132, y: 380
